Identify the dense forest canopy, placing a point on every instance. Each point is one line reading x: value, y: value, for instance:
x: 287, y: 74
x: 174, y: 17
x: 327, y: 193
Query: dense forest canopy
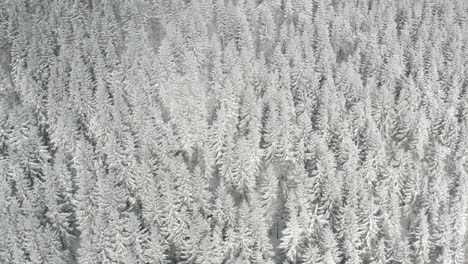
x: 233, y: 131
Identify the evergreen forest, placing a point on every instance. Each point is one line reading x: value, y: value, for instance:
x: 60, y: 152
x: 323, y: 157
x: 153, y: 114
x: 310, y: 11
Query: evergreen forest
x: 233, y: 131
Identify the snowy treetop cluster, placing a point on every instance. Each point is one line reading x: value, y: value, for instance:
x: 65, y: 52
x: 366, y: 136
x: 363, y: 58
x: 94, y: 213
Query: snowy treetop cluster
x: 233, y: 131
